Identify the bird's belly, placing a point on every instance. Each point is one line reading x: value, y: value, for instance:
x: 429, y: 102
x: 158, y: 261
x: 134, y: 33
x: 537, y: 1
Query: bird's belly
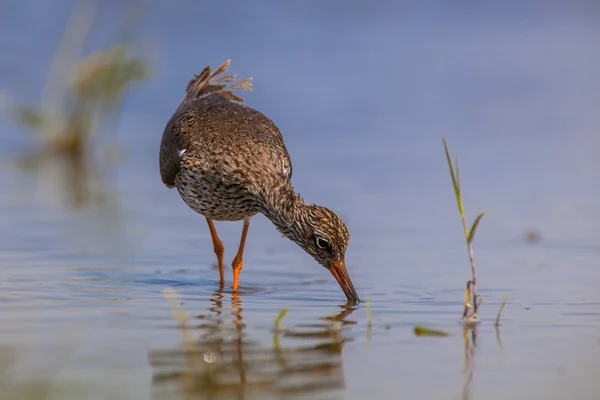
x: 217, y: 202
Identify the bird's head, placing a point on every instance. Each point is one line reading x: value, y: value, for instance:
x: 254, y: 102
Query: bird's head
x: 323, y: 235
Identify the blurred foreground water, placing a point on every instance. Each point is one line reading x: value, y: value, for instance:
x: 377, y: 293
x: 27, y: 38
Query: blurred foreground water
x: 361, y: 93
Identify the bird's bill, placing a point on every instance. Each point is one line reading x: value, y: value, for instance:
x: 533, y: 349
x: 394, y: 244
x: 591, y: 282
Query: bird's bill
x: 339, y: 272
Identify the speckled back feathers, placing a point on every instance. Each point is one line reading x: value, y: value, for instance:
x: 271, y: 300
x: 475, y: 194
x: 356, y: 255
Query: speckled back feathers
x: 229, y: 162
x: 218, y: 135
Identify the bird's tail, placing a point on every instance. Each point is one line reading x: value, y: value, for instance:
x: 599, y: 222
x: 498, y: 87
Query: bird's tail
x: 206, y: 84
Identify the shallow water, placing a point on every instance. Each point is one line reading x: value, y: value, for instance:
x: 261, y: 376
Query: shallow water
x: 515, y: 90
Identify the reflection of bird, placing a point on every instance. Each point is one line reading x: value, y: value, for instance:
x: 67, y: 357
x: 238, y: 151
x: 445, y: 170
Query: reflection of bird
x: 225, y: 363
x: 229, y: 162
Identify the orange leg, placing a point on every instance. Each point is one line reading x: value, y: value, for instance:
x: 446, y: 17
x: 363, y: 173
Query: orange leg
x: 237, y: 261
x: 218, y: 246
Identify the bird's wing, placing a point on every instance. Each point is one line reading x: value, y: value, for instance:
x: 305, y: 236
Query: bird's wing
x: 173, y: 145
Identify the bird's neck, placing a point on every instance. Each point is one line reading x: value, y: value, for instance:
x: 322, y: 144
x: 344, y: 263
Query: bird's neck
x: 284, y: 207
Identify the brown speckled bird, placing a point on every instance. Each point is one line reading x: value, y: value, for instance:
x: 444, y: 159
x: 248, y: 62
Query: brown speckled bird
x: 229, y: 163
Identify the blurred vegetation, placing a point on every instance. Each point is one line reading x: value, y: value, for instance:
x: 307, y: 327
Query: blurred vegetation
x: 98, y: 85
x: 82, y: 99
x: 20, y: 380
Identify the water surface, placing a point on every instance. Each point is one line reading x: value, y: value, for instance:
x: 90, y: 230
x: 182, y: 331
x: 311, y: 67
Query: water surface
x: 362, y: 94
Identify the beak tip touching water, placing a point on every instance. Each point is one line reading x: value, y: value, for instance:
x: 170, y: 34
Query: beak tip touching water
x: 339, y: 272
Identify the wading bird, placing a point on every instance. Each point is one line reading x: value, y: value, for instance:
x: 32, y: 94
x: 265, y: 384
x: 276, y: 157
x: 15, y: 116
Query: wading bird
x: 229, y: 162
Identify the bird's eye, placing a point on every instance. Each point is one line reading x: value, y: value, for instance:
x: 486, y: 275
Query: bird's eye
x: 323, y: 244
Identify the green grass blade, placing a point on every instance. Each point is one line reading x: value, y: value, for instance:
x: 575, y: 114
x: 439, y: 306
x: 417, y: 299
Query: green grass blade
x: 459, y: 202
x: 457, y: 172
x: 500, y: 310
x: 455, y: 181
x: 474, y: 228
x: 278, y: 329
x: 279, y: 317
x: 450, y: 167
